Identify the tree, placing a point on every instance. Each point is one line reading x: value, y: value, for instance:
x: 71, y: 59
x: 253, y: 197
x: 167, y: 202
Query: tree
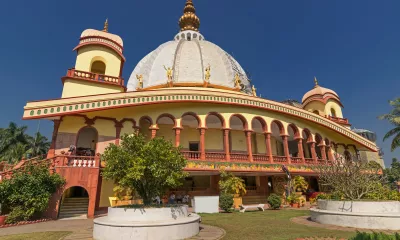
x: 351, y: 179
x: 11, y: 136
x: 15, y: 152
x: 394, y: 118
x: 150, y: 168
x: 393, y: 173
x: 38, y: 144
x: 27, y: 193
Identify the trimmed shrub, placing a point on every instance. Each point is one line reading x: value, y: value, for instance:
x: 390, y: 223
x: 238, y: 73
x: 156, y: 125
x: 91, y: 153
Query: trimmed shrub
x: 226, y: 202
x: 274, y: 201
x: 375, y: 236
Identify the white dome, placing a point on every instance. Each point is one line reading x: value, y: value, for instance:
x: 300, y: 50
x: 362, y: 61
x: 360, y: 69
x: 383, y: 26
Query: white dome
x: 189, y: 54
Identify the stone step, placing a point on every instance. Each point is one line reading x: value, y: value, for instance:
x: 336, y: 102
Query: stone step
x: 67, y: 207
x: 72, y: 216
x: 76, y: 199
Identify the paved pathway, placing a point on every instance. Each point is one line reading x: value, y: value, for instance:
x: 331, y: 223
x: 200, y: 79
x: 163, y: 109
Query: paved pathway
x: 82, y: 229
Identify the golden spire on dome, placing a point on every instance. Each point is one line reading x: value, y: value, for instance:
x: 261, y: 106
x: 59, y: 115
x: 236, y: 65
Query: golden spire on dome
x: 316, y: 82
x: 189, y: 20
x: 105, y: 29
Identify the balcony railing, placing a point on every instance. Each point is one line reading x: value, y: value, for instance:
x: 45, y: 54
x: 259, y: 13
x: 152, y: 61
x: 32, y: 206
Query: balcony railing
x: 338, y: 120
x: 73, y: 73
x: 191, y: 155
x: 215, y: 156
x: 296, y: 160
x: 260, y: 158
x: 239, y: 157
x: 82, y: 161
x: 279, y: 159
x: 244, y: 157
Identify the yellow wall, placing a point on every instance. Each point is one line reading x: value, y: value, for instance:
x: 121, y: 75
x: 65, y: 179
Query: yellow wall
x: 71, y: 124
x: 332, y: 104
x: 214, y: 139
x: 74, y: 88
x: 127, y: 128
x: 166, y: 131
x: 88, y: 54
x: 261, y: 148
x: 316, y: 106
x: 106, y: 192
x: 238, y: 141
x: 189, y: 135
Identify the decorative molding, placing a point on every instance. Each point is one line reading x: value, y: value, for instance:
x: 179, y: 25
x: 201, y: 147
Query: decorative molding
x: 60, y: 107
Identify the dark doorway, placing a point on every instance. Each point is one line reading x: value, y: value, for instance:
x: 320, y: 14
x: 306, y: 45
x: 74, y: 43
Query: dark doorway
x: 194, y: 146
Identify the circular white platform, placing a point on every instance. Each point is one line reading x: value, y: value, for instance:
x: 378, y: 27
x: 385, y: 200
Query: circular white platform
x: 358, y: 214
x: 146, y: 223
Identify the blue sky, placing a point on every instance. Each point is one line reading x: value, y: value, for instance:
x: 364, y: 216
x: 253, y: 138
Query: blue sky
x: 351, y: 46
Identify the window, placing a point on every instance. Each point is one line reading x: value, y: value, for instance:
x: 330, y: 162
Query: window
x: 98, y: 67
x: 333, y: 112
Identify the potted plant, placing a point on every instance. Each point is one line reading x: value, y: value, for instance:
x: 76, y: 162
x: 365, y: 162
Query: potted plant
x: 294, y: 200
x: 300, y: 185
x: 233, y: 185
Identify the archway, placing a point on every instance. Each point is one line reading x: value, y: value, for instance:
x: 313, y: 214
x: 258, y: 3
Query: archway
x: 98, y: 67
x: 319, y: 142
x: 144, y: 127
x: 306, y: 135
x: 333, y: 112
x: 165, y: 124
x: 293, y: 133
x: 258, y: 138
x: 190, y: 136
x: 86, y: 143
x: 276, y: 139
x: 214, y: 138
x: 74, y: 203
x: 237, y: 136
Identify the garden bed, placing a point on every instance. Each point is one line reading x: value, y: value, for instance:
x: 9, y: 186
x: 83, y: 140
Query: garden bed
x: 24, y: 223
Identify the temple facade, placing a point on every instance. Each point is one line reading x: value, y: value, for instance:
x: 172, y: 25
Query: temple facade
x: 193, y: 93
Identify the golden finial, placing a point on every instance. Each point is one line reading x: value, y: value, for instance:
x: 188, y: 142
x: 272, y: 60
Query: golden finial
x: 189, y: 20
x: 253, y: 91
x: 237, y: 80
x: 105, y: 29
x: 207, y: 73
x: 316, y: 82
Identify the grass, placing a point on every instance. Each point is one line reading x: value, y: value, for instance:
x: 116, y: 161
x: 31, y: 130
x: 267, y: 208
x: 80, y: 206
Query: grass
x: 36, y: 236
x: 269, y: 225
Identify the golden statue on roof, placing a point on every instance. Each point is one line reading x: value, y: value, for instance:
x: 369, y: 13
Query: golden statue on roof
x: 208, y: 73
x: 169, y: 73
x: 140, y: 80
x: 253, y: 91
x: 237, y: 81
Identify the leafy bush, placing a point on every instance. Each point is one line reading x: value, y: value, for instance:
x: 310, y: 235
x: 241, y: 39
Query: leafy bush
x: 323, y: 196
x: 375, y: 236
x: 226, y: 202
x: 383, y: 192
x: 274, y: 201
x: 231, y: 184
x: 28, y: 192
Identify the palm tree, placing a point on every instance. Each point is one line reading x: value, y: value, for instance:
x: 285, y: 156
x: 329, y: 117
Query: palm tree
x: 394, y: 118
x: 11, y: 136
x: 38, y: 144
x: 15, y: 153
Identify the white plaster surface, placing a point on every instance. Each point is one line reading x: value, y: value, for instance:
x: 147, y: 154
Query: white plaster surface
x: 205, y: 204
x: 358, y: 214
x: 146, y: 224
x: 188, y: 59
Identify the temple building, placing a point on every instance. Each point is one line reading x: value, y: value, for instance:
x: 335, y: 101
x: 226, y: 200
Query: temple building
x: 193, y: 93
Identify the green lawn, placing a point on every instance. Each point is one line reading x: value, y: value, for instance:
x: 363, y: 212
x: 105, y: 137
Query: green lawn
x: 270, y: 225
x: 36, y: 236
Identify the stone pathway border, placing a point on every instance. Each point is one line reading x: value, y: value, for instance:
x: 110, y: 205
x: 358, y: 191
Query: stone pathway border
x: 305, y: 220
